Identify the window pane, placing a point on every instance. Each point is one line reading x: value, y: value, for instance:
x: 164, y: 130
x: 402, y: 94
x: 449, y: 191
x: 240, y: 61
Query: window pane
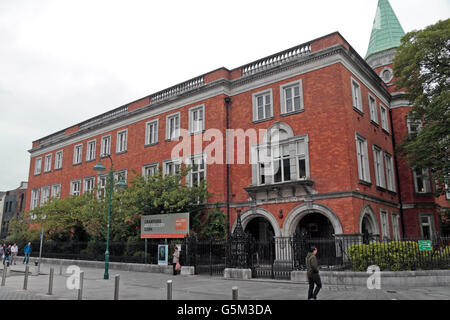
x: 301, y: 168
x: 297, y: 105
x: 288, y: 92
x: 288, y: 105
x: 286, y: 170
x: 277, y: 171
x: 296, y: 91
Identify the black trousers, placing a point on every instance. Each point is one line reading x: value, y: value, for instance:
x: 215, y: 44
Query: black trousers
x: 314, y: 280
x: 175, y: 272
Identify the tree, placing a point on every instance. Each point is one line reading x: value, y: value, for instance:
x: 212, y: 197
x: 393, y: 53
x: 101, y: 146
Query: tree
x: 422, y: 68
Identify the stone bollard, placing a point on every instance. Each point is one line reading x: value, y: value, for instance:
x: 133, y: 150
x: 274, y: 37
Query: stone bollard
x: 116, y: 287
x: 169, y: 289
x: 25, y: 279
x: 234, y: 293
x: 5, y: 270
x: 80, y: 290
x: 50, y: 282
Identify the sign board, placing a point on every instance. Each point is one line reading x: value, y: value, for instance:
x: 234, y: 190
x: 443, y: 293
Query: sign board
x: 163, y: 253
x: 173, y: 225
x: 425, y: 245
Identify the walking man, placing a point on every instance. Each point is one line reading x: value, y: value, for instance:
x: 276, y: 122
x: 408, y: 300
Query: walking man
x: 312, y: 272
x: 7, y: 253
x: 27, y: 252
x: 14, y: 252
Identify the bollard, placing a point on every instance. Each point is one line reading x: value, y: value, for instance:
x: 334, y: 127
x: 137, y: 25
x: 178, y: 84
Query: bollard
x: 50, y: 282
x: 25, y: 280
x: 4, y: 275
x: 80, y: 290
x: 60, y: 268
x: 116, y: 287
x: 235, y: 293
x: 169, y: 289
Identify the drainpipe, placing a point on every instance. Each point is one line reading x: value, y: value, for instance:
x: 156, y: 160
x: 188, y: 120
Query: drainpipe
x: 397, y: 175
x: 227, y: 104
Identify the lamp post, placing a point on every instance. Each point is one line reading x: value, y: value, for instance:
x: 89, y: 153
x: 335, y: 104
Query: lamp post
x: 99, y: 168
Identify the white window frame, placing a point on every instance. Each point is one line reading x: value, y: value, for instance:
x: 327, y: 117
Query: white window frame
x: 120, y: 174
x: 176, y: 166
x: 395, y: 226
x: 384, y: 218
x: 122, y: 141
x: 373, y: 109
x: 154, y: 167
x: 196, y: 170
x: 35, y: 197
x: 73, y: 190
x: 48, y: 163
x: 88, y: 185
x: 390, y: 175
x: 102, y: 181
x: 106, y: 145
x: 56, y: 190
x: 425, y: 181
x: 356, y: 94
x: 59, y: 159
x: 78, y: 153
x: 255, y: 97
x: 91, y: 150
x: 45, y: 195
x: 198, y: 126
x: 362, y: 156
x: 38, y: 166
x: 384, y: 118
x: 416, y: 123
x: 175, y: 133
x: 151, y: 133
x: 378, y: 163
x: 283, y: 101
x: 429, y: 224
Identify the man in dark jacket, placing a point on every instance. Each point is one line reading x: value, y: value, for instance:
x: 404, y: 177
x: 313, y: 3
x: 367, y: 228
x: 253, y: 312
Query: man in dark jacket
x: 312, y: 272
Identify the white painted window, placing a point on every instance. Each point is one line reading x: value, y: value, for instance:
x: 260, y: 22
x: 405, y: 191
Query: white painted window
x: 150, y: 170
x: 173, y: 126
x: 106, y: 145
x: 77, y: 154
x: 198, y: 170
x: 48, y: 163
x: 390, y: 176
x: 58, y: 159
x: 197, y: 119
x: 172, y: 167
x: 384, y: 118
x: 447, y: 191
x: 421, y: 181
x: 91, y: 150
x: 38, y: 166
x: 356, y: 95
x: 363, y: 158
x: 75, y: 187
x: 385, y: 223
x: 291, y: 97
x: 395, y: 226
x: 56, y: 191
x: 426, y: 229
x: 262, y: 105
x: 120, y: 175
x: 122, y: 140
x: 45, y: 195
x: 414, y: 126
x: 373, y: 109
x: 89, y: 184
x: 101, y: 187
x: 379, y: 167
x: 34, y: 198
x: 151, y: 132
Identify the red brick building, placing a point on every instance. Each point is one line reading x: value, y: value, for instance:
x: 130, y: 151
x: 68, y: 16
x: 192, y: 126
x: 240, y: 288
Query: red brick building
x: 324, y: 166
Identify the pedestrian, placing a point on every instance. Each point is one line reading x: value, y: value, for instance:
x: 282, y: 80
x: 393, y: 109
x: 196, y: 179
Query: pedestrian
x: 7, y: 254
x: 312, y: 272
x: 176, y: 260
x: 2, y: 249
x: 14, y: 252
x: 27, y: 252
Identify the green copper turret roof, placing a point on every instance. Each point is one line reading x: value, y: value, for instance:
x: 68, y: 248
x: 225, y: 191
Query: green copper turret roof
x: 386, y: 30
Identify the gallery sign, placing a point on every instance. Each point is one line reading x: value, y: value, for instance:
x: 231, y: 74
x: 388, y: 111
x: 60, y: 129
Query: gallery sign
x: 173, y: 225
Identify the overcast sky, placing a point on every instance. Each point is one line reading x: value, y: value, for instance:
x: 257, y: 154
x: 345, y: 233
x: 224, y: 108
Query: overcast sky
x: 63, y: 62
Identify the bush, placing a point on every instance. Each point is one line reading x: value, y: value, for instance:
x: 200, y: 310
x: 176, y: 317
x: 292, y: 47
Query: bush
x: 397, y: 256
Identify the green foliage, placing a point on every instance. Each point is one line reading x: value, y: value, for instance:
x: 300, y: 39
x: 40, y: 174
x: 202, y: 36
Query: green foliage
x: 210, y: 224
x: 397, y: 256
x: 19, y: 232
x: 422, y: 67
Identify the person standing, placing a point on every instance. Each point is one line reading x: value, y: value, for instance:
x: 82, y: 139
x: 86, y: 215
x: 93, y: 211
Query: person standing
x: 27, y: 252
x: 7, y: 254
x: 14, y: 252
x: 312, y: 272
x: 176, y: 259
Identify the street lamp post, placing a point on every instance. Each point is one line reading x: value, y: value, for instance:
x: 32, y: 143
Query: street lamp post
x: 99, y: 168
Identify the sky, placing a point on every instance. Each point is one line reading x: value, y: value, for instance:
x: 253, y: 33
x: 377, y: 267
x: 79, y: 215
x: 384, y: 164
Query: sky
x: 65, y: 61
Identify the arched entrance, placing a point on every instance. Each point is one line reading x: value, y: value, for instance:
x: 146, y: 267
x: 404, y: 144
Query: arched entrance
x: 368, y: 225
x: 314, y: 226
x: 260, y: 229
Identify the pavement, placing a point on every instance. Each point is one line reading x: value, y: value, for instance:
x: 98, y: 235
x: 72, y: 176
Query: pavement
x: 153, y: 286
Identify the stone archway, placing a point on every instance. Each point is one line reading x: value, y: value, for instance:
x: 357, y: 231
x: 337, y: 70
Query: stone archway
x: 368, y: 224
x: 248, y: 215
